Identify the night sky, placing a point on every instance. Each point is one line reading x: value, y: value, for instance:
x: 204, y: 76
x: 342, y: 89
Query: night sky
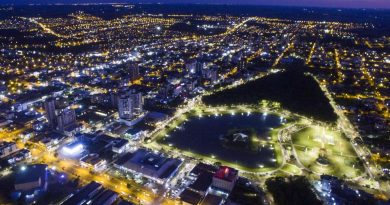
x: 317, y: 3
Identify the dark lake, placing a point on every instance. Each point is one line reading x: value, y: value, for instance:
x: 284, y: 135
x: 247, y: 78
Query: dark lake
x: 203, y: 136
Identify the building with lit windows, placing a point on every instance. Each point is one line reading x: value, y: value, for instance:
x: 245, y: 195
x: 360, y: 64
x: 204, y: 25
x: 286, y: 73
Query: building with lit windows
x: 50, y: 111
x: 7, y: 148
x: 130, y: 104
x: 225, y: 178
x: 66, y: 120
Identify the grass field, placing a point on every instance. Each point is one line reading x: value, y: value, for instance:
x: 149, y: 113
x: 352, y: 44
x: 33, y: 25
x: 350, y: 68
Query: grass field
x: 291, y: 169
x: 310, y: 142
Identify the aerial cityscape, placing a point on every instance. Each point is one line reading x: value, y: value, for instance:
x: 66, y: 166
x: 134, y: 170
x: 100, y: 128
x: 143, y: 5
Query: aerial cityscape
x: 226, y: 104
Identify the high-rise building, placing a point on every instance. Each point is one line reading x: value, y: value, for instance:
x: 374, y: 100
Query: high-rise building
x: 130, y: 104
x: 50, y: 111
x: 195, y: 67
x: 133, y: 69
x: 137, y: 101
x: 211, y: 74
x: 66, y: 119
x: 242, y: 65
x: 113, y: 99
x: 125, y: 107
x: 199, y: 66
x: 190, y: 66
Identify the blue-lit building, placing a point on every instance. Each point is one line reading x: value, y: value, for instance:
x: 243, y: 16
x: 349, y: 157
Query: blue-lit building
x: 31, y: 182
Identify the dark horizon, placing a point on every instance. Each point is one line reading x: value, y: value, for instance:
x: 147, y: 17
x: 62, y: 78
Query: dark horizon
x: 337, y: 4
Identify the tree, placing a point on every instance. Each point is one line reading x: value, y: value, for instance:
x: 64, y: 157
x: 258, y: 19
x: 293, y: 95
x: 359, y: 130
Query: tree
x: 294, y: 190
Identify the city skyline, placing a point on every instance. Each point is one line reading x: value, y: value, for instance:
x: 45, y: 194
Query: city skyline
x: 370, y: 4
x: 173, y: 104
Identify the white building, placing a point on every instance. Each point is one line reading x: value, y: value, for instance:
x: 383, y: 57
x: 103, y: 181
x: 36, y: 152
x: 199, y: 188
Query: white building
x: 7, y: 148
x: 130, y: 104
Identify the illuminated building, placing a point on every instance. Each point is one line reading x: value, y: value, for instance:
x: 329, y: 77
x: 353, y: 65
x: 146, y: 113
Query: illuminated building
x: 153, y: 166
x: 73, y: 150
x: 225, y: 178
x: 133, y: 69
x: 130, y: 104
x: 7, y: 148
x: 31, y: 181
x: 94, y: 162
x: 66, y: 120
x: 50, y: 111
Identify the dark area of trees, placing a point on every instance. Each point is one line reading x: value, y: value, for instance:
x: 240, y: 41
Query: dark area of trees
x: 191, y: 26
x: 294, y: 190
x: 245, y: 193
x: 24, y: 37
x: 259, y: 25
x: 295, y: 91
x: 6, y: 187
x: 376, y: 32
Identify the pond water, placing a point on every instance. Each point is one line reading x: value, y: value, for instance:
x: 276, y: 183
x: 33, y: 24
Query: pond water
x: 202, y: 135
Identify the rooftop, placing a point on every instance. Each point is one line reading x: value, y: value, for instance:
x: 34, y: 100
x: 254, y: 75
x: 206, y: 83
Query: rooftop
x: 148, y: 163
x: 212, y: 199
x: 226, y: 173
x: 203, y: 182
x: 191, y: 197
x: 84, y: 193
x: 30, y: 173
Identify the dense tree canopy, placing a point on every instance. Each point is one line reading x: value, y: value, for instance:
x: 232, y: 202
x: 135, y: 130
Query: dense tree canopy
x: 295, y: 190
x: 292, y: 88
